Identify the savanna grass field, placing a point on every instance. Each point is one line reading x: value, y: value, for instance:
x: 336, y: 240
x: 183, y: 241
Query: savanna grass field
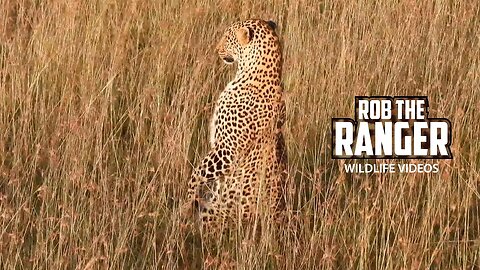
x: 104, y: 111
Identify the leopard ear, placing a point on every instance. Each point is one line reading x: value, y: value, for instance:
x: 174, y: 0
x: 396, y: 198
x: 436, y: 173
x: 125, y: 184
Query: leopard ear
x: 244, y: 35
x: 272, y: 25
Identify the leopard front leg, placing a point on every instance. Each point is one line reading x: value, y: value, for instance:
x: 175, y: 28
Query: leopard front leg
x: 206, y: 182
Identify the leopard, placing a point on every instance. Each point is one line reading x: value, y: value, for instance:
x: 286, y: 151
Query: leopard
x: 245, y: 169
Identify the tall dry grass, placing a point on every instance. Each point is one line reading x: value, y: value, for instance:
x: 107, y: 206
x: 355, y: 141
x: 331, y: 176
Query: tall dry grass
x: 104, y: 108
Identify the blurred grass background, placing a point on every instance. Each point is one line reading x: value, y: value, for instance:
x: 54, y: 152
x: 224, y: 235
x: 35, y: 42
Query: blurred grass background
x: 104, y: 108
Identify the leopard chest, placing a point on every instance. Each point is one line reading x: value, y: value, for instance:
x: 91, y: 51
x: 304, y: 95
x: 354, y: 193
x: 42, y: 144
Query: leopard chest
x: 220, y: 115
x: 233, y: 112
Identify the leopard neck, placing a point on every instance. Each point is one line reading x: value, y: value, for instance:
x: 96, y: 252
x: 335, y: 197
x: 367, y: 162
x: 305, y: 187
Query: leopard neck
x: 262, y: 65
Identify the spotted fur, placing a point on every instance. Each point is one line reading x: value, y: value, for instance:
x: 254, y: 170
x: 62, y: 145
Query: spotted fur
x: 246, y: 165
